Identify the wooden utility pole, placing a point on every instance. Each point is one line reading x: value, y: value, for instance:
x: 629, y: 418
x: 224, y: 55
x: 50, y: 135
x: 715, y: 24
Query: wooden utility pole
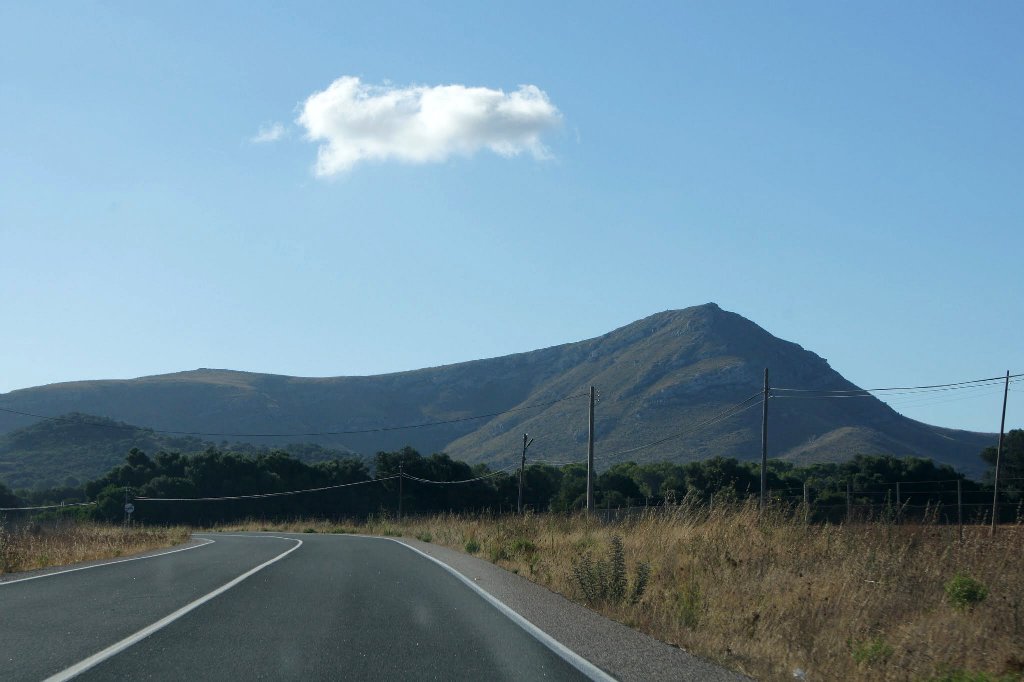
x: 999, y: 456
x: 590, y: 456
x: 764, y: 441
x: 401, y: 478
x: 522, y: 467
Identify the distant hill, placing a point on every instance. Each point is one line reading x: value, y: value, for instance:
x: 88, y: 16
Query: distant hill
x: 75, y: 448
x: 656, y: 377
x: 78, y: 447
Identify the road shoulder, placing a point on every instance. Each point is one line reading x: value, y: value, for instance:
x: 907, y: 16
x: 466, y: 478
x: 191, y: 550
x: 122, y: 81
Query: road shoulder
x: 623, y: 652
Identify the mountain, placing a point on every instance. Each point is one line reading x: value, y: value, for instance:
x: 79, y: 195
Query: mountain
x: 656, y: 377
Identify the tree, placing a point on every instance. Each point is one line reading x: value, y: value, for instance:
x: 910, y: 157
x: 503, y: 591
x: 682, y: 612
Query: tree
x: 8, y: 498
x: 1011, y: 464
x: 572, y: 491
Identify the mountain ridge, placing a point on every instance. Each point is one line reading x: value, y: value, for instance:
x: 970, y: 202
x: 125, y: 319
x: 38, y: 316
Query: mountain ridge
x: 656, y: 376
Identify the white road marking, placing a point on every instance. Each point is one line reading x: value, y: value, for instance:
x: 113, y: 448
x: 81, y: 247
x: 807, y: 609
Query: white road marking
x: 206, y: 541
x: 117, y: 648
x: 567, y: 654
x: 570, y: 656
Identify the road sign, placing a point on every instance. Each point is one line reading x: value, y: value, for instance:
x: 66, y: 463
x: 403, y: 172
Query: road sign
x: 129, y: 508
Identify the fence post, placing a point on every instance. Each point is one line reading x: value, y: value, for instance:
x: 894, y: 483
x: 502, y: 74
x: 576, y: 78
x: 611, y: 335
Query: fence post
x: 848, y: 492
x: 960, y: 509
x: 807, y: 504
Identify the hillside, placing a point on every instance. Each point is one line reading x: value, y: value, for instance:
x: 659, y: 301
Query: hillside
x: 656, y: 377
x: 78, y: 447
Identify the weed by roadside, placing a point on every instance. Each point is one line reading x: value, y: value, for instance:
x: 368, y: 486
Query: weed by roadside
x: 32, y: 546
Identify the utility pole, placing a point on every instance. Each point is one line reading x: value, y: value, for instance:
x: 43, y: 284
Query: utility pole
x: 999, y: 456
x: 590, y: 456
x: 401, y: 478
x: 522, y: 468
x: 764, y: 441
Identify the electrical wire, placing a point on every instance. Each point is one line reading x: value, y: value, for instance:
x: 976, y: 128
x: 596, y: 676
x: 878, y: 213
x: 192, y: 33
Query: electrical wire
x: 49, y: 506
x: 550, y: 462
x: 858, y: 391
x: 261, y: 495
x: 725, y: 414
x: 296, y: 435
x: 468, y: 480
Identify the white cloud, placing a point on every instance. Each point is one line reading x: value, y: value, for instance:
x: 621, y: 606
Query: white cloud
x: 356, y: 122
x: 269, y: 133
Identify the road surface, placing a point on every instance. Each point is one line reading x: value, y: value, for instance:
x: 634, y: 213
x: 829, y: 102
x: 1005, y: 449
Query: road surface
x: 265, y: 606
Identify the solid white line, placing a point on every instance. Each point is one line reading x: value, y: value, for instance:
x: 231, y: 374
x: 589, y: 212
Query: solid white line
x: 206, y: 542
x: 117, y: 648
x: 570, y: 656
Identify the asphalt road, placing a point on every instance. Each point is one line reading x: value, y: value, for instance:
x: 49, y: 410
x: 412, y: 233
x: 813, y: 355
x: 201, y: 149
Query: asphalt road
x: 336, y: 607
x: 269, y: 607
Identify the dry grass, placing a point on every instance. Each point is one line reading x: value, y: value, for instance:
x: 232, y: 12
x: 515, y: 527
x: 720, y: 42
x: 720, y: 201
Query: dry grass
x: 32, y: 546
x: 772, y: 596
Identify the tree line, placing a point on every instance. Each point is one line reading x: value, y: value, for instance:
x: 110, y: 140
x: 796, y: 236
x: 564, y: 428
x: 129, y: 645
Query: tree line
x: 373, y: 487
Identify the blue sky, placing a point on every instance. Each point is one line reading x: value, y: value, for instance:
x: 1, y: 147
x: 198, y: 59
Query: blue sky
x: 847, y: 175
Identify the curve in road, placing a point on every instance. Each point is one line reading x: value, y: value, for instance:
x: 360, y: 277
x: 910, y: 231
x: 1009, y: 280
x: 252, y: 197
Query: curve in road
x: 253, y: 606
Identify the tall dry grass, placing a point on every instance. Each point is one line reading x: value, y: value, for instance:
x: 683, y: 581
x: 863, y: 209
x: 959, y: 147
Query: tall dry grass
x: 769, y: 595
x: 31, y: 546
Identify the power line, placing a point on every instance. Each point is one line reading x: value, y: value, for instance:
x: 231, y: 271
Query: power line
x: 911, y: 399
x: 295, y: 435
x: 49, y: 506
x: 329, y: 487
x: 551, y: 462
x: 260, y: 495
x: 725, y: 414
x: 858, y: 391
x: 468, y: 480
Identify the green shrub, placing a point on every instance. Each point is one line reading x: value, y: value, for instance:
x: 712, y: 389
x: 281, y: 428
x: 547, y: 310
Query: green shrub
x: 424, y: 536
x: 964, y: 592
x: 497, y: 552
x: 643, y: 575
x: 689, y: 604
x: 601, y: 581
x: 871, y: 652
x: 523, y: 547
x: 472, y: 546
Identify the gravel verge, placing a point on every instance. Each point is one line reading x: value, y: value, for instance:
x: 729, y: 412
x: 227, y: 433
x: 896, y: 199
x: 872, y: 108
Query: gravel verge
x: 621, y: 651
